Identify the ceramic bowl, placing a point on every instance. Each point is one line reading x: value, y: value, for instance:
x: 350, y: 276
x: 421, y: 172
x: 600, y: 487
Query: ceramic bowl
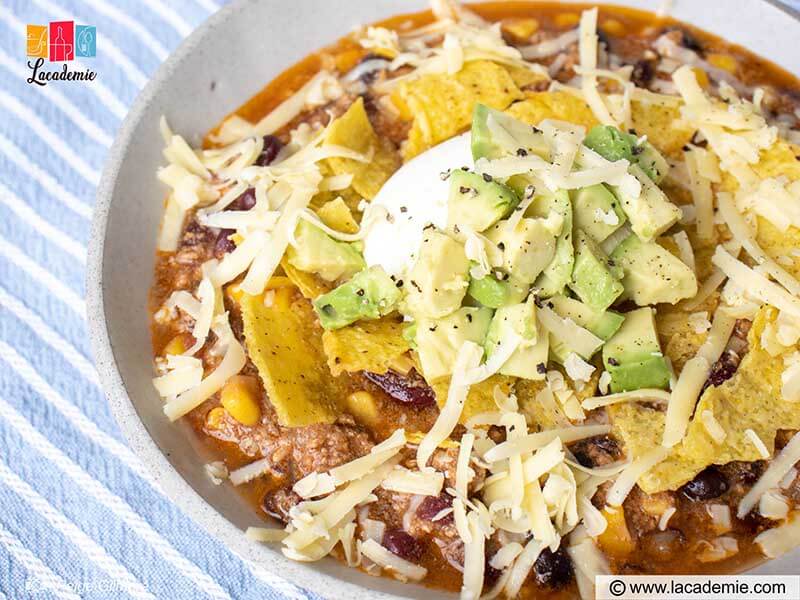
x: 223, y: 63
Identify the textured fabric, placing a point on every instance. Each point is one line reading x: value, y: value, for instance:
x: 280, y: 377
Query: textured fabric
x: 79, y: 518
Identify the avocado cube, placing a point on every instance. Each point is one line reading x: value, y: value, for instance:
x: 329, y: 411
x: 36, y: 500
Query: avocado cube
x: 610, y: 143
x: 595, y: 279
x: 438, y: 340
x: 652, y: 162
x: 493, y: 293
x: 602, y: 324
x: 633, y: 357
x: 527, y: 248
x: 370, y: 294
x: 652, y: 213
x: 519, y: 319
x: 477, y: 202
x: 439, y: 279
x: 496, y: 134
x: 317, y: 252
x: 597, y: 211
x: 651, y: 274
x: 555, y: 276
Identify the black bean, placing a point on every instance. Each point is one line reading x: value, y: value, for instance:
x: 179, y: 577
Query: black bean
x: 708, y: 484
x: 272, y: 146
x: 224, y: 243
x: 643, y: 73
x: 409, y: 389
x: 402, y: 544
x: 553, y: 569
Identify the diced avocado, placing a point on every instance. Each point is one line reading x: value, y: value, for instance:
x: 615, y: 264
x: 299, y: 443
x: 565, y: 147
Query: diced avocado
x: 438, y: 281
x: 370, y: 294
x: 651, y: 274
x: 595, y: 279
x: 490, y: 291
x: 596, y: 211
x: 317, y: 252
x: 476, y: 202
x: 504, y: 136
x: 438, y: 340
x: 633, y: 355
x: 527, y: 248
x: 532, y: 352
x: 651, y: 214
x: 610, y: 143
x: 613, y: 144
x: 556, y: 275
x: 602, y: 324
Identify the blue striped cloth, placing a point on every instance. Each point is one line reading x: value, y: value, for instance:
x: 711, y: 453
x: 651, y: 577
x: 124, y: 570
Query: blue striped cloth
x: 77, y: 517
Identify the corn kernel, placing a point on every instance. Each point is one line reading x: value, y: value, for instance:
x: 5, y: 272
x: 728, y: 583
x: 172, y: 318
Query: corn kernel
x: 240, y: 398
x: 616, y: 539
x: 521, y: 29
x: 236, y: 238
x: 283, y: 298
x: 215, y: 417
x: 702, y: 77
x: 569, y: 19
x: 723, y: 61
x: 362, y: 406
x: 177, y: 345
x: 613, y: 27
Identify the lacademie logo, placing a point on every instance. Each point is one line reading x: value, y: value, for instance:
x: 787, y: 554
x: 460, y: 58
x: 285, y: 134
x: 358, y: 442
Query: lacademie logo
x: 60, y: 41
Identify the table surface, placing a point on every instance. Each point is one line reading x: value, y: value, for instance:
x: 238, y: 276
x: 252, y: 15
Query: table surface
x: 77, y: 518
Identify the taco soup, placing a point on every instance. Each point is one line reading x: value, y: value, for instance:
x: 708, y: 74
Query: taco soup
x: 496, y: 298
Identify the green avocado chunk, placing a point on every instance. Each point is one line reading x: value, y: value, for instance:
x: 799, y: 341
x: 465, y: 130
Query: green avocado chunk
x: 437, y: 283
x: 528, y: 247
x: 530, y: 358
x: 652, y: 213
x: 438, y: 340
x: 317, y: 252
x: 370, y: 294
x: 477, y: 202
x: 602, y: 324
x: 595, y: 278
x: 556, y: 275
x: 613, y: 144
x: 493, y: 293
x: 633, y: 357
x: 597, y: 211
x: 503, y: 136
x: 651, y: 274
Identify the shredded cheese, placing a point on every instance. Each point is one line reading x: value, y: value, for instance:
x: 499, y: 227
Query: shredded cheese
x: 773, y: 505
x: 399, y: 567
x: 779, y: 540
x: 414, y: 482
x: 757, y: 442
x: 631, y: 474
x: 644, y: 394
x: 776, y: 471
x: 712, y: 426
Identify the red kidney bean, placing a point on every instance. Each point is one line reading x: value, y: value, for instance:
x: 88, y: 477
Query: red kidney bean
x: 224, y: 243
x: 433, y: 505
x: 245, y: 201
x: 402, y: 544
x: 272, y: 146
x: 409, y: 389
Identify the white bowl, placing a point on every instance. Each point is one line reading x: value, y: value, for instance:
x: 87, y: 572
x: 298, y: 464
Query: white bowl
x: 222, y: 64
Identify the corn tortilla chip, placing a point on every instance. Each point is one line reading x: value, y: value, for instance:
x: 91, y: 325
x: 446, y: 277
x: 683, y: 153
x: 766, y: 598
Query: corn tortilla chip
x: 751, y: 399
x: 309, y: 284
x: 365, y: 346
x: 285, y: 345
x: 337, y: 215
x: 481, y: 395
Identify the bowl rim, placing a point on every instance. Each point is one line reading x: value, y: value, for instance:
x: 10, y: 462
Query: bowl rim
x: 166, y: 477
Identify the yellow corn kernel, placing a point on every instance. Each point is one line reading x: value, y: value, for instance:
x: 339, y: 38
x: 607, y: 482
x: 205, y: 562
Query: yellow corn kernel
x: 616, y: 539
x: 362, y: 406
x: 569, y: 19
x: 613, y: 27
x: 176, y: 345
x: 723, y: 61
x: 702, y: 77
x: 521, y: 29
x: 240, y: 398
x: 215, y: 417
x: 236, y: 238
x: 283, y: 298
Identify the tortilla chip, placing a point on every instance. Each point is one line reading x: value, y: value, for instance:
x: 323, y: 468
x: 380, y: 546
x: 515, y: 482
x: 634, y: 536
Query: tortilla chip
x: 542, y: 417
x: 562, y: 106
x: 663, y: 127
x: 365, y: 346
x: 480, y: 398
x: 309, y: 284
x: 751, y: 399
x: 442, y: 105
x: 285, y: 345
x: 523, y: 77
x: 353, y: 130
x: 337, y: 215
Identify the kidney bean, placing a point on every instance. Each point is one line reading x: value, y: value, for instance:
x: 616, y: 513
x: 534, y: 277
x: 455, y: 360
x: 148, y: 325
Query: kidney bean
x: 272, y: 146
x: 224, y: 244
x: 245, y: 201
x: 433, y: 505
x: 410, y: 389
x: 707, y: 484
x: 402, y: 544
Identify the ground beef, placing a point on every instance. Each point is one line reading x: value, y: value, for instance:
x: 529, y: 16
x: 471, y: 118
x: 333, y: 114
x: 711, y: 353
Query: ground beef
x: 278, y: 503
x: 322, y: 447
x: 643, y: 511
